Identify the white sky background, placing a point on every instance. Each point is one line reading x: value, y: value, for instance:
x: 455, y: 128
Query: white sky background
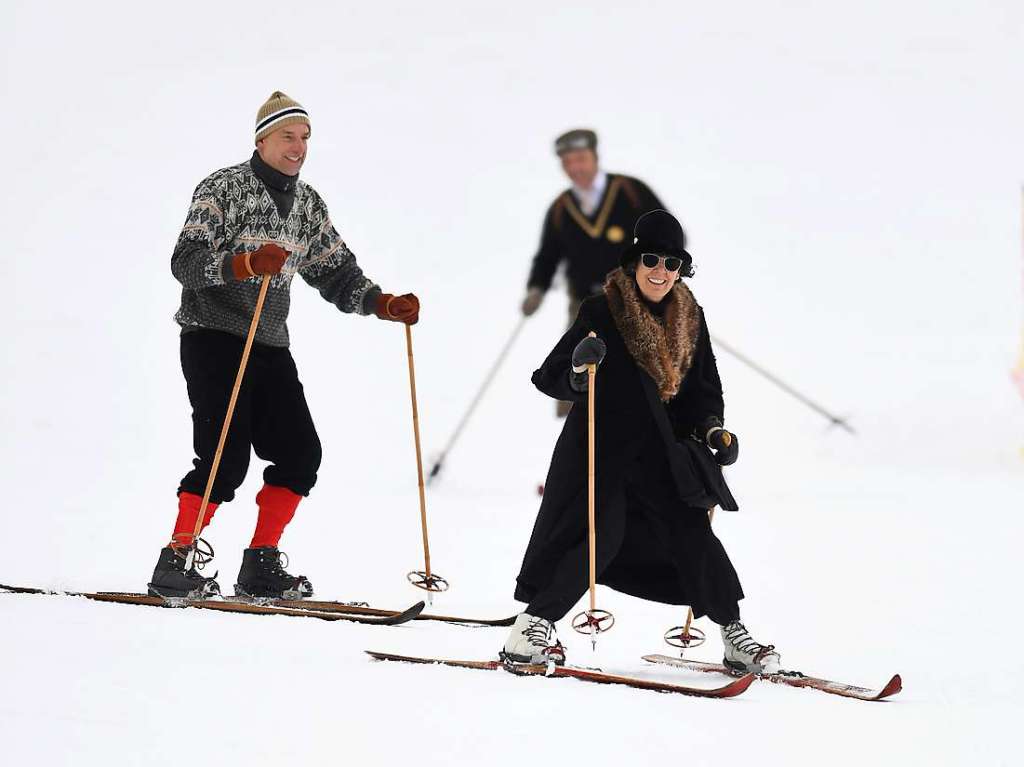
x: 849, y: 175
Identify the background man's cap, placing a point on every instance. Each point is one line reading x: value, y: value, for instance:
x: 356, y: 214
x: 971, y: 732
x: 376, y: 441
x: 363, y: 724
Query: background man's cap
x: 278, y: 111
x: 578, y: 138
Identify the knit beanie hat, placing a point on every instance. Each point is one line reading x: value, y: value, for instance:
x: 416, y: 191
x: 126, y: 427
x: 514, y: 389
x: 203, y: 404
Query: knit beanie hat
x: 278, y: 111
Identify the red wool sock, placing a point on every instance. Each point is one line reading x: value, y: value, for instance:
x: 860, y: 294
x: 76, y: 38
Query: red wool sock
x: 277, y: 507
x: 188, y: 513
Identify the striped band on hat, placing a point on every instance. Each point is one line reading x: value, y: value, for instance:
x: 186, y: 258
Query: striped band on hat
x: 277, y: 111
x: 280, y: 115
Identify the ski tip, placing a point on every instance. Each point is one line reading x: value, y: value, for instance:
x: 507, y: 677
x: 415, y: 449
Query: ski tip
x: 23, y: 590
x: 406, y: 615
x: 739, y: 686
x: 376, y: 655
x: 894, y: 686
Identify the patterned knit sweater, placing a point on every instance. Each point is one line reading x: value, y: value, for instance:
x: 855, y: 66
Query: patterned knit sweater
x: 232, y: 212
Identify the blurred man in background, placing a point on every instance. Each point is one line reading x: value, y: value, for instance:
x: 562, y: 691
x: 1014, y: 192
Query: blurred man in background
x: 585, y: 226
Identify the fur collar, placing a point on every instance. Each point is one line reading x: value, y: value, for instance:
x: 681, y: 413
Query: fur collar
x: 662, y: 347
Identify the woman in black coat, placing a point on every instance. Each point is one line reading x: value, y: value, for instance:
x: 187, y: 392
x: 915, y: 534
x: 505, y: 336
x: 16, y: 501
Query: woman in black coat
x: 659, y: 413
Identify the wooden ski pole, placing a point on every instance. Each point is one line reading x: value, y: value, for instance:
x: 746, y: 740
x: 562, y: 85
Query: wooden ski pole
x: 593, y: 620
x: 264, y: 286
x: 687, y: 637
x: 424, y: 579
x: 689, y: 610
x: 591, y: 485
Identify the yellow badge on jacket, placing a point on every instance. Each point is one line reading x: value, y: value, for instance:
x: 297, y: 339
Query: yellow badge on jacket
x: 615, y: 234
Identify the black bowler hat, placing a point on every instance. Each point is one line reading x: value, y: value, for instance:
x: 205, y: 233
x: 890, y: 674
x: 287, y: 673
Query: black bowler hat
x: 657, y: 231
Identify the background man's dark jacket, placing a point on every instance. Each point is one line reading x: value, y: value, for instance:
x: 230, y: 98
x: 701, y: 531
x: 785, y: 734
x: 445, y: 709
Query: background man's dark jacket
x: 591, y: 246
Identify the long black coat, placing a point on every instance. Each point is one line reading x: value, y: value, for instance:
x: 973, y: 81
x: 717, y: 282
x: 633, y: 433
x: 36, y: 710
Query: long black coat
x: 633, y: 427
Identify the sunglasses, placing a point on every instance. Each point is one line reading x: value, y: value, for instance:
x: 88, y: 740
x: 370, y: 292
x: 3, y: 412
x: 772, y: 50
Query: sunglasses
x: 651, y: 261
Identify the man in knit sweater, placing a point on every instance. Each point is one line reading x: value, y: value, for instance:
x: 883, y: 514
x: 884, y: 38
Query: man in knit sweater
x: 247, y: 221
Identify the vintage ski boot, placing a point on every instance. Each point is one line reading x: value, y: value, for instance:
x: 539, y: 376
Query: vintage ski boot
x: 262, y: 576
x: 742, y: 653
x: 172, y: 581
x: 533, y: 640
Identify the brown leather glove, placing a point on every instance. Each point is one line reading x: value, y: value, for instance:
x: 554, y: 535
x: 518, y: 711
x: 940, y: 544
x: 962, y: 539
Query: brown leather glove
x: 404, y: 308
x: 268, y: 259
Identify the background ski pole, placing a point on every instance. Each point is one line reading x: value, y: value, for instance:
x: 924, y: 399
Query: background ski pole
x: 834, y: 419
x: 439, y: 463
x: 193, y: 545
x: 421, y: 579
x: 593, y: 621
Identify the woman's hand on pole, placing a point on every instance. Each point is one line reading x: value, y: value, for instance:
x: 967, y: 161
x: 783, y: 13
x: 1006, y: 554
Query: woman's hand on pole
x: 725, y: 444
x: 589, y: 351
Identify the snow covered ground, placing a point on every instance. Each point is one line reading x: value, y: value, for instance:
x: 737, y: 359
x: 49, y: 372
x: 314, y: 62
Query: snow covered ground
x: 849, y: 176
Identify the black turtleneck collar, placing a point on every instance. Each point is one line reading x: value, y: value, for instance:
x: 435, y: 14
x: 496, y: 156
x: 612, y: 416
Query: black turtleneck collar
x: 275, y: 179
x: 657, y: 309
x: 280, y: 186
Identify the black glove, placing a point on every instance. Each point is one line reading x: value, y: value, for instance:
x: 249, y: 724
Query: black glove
x: 725, y: 444
x: 589, y: 351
